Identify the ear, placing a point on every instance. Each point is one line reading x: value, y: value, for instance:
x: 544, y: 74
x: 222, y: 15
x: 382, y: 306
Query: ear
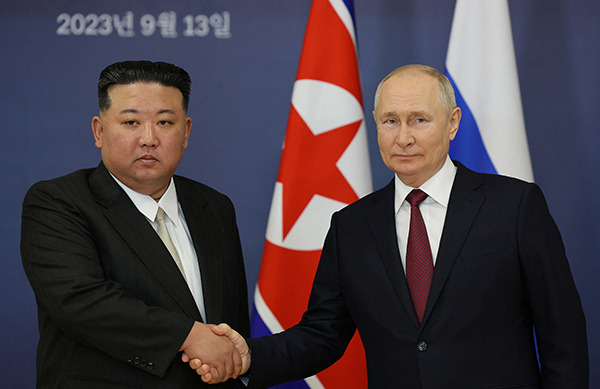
x: 97, y: 130
x: 188, y: 129
x: 454, y: 122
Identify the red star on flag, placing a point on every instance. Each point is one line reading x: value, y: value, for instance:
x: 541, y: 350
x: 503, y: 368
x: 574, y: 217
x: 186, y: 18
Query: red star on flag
x: 308, y: 167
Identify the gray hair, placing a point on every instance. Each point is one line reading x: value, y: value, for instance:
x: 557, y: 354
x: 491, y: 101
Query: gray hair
x: 447, y: 97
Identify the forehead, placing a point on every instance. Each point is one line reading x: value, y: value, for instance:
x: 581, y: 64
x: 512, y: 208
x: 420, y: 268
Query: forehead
x: 411, y: 90
x: 145, y: 94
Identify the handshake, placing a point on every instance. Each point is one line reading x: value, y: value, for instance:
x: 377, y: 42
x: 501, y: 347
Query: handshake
x: 217, y: 353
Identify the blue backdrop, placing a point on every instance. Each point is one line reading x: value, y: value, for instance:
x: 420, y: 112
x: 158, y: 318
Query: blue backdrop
x: 243, y: 58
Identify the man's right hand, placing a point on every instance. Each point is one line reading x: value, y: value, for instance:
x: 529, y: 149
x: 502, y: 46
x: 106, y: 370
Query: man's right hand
x: 207, y: 370
x: 214, y: 350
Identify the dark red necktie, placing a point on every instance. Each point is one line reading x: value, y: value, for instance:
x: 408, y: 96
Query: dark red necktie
x: 419, y: 263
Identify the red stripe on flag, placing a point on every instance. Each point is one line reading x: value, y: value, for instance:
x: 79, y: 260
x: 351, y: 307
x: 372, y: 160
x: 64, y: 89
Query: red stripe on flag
x: 309, y: 167
x: 348, y: 372
x: 328, y: 52
x: 285, y: 280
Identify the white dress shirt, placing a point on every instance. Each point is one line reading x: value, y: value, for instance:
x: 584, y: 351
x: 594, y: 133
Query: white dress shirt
x: 178, y: 230
x: 433, y: 208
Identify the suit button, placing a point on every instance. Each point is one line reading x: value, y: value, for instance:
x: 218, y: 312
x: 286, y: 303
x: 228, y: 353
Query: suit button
x: 129, y: 359
x: 150, y: 366
x: 136, y: 360
x: 422, y: 346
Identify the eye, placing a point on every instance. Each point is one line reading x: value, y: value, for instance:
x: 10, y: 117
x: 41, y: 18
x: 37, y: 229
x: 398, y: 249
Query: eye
x: 130, y: 122
x: 164, y: 123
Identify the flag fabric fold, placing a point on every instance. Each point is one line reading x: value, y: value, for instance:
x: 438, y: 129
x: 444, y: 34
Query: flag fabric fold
x: 482, y: 67
x: 324, y: 166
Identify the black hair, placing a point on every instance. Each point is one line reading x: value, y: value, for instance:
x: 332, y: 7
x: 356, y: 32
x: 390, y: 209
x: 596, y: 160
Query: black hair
x: 130, y: 72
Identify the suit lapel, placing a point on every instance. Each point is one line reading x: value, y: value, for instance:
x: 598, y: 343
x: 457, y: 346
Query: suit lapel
x: 382, y: 223
x: 141, y: 238
x: 463, y: 206
x: 202, y: 225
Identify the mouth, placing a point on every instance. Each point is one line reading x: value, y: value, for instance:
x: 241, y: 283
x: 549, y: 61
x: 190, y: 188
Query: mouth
x: 147, y: 158
x: 403, y: 156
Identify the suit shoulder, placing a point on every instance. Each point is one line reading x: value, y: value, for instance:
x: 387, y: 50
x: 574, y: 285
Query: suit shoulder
x: 494, y: 182
x: 191, y: 189
x: 189, y: 184
x: 77, y: 175
x: 501, y: 183
x: 366, y: 203
x: 504, y: 180
x: 65, y: 183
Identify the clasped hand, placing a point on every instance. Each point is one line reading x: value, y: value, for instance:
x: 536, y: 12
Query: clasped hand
x: 217, y: 353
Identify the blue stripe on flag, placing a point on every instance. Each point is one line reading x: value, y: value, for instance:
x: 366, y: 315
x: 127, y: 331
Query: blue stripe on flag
x: 468, y: 147
x: 350, y: 5
x: 257, y: 325
x: 292, y: 385
x: 260, y: 329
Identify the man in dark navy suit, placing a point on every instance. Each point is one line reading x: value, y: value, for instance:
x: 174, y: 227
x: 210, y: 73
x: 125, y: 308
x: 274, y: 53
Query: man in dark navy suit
x: 491, y: 287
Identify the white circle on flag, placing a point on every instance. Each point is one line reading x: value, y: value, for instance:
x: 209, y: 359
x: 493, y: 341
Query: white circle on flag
x: 323, y: 107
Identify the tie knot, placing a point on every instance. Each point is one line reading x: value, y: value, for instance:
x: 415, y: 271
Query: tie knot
x: 416, y: 197
x: 160, y: 215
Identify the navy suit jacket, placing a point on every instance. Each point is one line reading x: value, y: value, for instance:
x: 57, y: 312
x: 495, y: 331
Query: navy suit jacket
x: 113, y: 308
x: 501, y: 271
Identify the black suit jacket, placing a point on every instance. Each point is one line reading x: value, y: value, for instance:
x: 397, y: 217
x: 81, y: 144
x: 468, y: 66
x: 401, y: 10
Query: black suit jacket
x: 113, y: 307
x: 501, y: 270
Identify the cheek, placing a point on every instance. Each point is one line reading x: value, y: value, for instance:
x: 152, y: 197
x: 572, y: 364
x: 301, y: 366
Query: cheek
x: 121, y: 144
x: 438, y: 147
x: 173, y: 143
x: 384, y: 139
x: 172, y: 149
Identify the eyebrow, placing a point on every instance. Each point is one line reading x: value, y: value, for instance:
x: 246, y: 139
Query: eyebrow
x: 419, y: 113
x: 131, y: 110
x: 410, y: 113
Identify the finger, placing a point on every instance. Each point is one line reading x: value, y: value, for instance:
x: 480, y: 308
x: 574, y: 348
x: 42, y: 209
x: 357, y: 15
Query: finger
x: 205, y: 368
x: 226, y: 371
x: 207, y: 377
x: 185, y: 358
x: 221, y: 329
x: 201, y: 369
x: 237, y: 364
x: 214, y: 374
x: 195, y: 363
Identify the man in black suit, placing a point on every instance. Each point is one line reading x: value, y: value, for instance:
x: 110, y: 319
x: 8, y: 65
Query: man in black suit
x: 116, y: 301
x: 500, y: 286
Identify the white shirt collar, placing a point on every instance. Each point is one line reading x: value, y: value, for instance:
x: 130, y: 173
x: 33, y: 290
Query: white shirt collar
x: 148, y: 206
x: 437, y: 187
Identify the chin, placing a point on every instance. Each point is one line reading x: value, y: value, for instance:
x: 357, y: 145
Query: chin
x: 403, y: 170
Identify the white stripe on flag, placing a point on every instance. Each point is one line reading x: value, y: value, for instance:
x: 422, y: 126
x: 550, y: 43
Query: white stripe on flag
x: 481, y: 60
x: 273, y: 325
x: 342, y: 10
x: 265, y: 313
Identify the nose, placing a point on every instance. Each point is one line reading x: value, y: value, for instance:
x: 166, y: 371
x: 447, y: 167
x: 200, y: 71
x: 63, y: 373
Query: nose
x: 404, y: 137
x: 148, y: 136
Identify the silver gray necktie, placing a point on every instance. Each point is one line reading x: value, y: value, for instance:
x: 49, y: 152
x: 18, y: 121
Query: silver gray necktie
x: 163, y: 232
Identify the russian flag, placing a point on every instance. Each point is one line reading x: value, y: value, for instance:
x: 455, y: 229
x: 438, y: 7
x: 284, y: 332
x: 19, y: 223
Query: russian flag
x: 482, y: 68
x: 324, y: 166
